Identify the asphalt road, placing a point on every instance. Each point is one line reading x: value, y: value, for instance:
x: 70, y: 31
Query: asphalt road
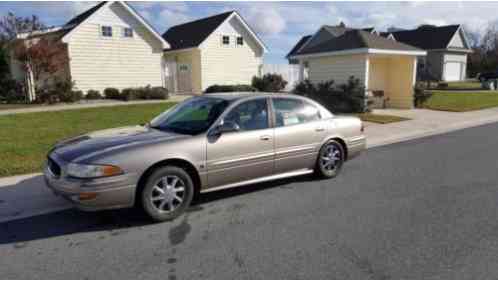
x: 426, y: 208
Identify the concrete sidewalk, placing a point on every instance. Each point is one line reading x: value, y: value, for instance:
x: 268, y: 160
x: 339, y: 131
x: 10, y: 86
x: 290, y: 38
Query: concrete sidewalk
x: 26, y: 195
x: 89, y: 104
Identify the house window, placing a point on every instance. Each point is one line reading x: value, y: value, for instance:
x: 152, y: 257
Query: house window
x: 107, y: 31
x: 225, y: 40
x: 128, y: 32
x: 240, y: 41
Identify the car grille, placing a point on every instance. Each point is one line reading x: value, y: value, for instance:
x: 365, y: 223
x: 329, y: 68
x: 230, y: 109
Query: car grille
x: 54, y: 168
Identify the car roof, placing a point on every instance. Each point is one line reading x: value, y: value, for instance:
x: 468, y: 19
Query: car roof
x: 232, y: 96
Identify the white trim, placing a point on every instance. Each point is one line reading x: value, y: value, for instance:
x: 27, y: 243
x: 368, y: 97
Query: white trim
x: 179, y: 50
x: 367, y: 72
x: 414, y: 79
x: 336, y: 53
x: 362, y: 51
x: 397, y: 52
x: 468, y: 51
x: 165, y: 44
x: 462, y: 32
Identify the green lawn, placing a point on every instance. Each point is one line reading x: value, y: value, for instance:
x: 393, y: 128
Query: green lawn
x: 460, y: 101
x: 380, y: 118
x: 26, y: 138
x: 464, y: 85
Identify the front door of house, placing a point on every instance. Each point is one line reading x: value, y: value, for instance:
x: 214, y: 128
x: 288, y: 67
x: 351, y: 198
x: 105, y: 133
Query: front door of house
x: 184, y: 78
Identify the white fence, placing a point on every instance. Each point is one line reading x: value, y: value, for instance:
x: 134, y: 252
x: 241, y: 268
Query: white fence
x: 289, y: 72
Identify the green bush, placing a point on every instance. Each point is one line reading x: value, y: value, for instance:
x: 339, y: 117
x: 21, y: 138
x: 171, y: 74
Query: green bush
x: 269, y: 83
x: 11, y: 91
x: 420, y: 96
x: 93, y: 95
x: 129, y: 94
x: 230, y: 88
x: 158, y: 93
x: 59, y: 91
x: 112, y: 93
x: 344, y: 98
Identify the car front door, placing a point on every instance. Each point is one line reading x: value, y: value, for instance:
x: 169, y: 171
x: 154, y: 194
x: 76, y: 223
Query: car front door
x: 299, y: 131
x: 243, y: 154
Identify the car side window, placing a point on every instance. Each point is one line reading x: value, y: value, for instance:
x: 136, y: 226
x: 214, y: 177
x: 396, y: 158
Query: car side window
x: 250, y: 115
x: 294, y: 111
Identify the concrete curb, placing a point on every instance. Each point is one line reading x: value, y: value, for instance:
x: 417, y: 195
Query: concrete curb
x: 26, y: 195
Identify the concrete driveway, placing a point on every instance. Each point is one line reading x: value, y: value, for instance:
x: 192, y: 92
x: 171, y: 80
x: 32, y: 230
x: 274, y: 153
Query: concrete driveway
x: 425, y: 122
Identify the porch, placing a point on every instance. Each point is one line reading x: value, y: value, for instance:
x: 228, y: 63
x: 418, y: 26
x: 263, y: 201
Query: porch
x: 390, y: 80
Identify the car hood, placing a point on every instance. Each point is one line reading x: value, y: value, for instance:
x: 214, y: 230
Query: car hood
x: 105, y: 140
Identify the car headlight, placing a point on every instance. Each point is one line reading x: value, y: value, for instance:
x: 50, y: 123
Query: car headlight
x: 92, y: 171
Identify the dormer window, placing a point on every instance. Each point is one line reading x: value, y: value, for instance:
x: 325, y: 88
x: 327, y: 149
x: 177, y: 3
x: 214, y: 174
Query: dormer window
x: 225, y: 40
x: 107, y: 31
x: 240, y: 41
x: 128, y: 32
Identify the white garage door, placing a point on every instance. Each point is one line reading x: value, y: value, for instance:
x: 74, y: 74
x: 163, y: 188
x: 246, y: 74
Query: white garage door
x: 453, y: 71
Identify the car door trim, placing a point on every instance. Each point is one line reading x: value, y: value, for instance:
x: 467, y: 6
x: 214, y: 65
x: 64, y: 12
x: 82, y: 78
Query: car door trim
x: 258, y: 180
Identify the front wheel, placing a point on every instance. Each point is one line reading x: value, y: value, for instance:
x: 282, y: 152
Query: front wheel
x: 167, y: 193
x: 330, y: 159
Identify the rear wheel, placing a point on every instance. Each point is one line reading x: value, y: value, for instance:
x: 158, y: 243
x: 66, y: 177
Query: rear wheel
x: 167, y: 193
x: 330, y: 159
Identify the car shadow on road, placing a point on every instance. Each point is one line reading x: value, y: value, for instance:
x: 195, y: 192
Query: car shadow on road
x: 72, y: 221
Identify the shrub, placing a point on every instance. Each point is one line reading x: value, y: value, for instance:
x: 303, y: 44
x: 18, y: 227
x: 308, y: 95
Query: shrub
x: 230, y: 88
x: 158, y: 93
x: 129, y: 94
x: 442, y: 85
x: 344, y: 98
x: 59, y: 91
x: 269, y: 83
x: 11, y: 91
x: 112, y: 93
x: 93, y: 95
x: 420, y: 96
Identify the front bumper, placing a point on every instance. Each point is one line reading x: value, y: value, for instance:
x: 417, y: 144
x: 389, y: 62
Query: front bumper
x: 356, y: 145
x: 92, y: 194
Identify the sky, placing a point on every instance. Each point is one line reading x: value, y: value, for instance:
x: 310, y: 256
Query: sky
x: 281, y: 24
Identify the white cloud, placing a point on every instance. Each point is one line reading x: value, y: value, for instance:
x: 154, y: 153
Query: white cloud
x: 266, y: 21
x: 168, y: 18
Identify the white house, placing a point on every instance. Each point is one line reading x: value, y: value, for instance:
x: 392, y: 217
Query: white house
x: 111, y: 45
x: 220, y: 49
x: 381, y: 64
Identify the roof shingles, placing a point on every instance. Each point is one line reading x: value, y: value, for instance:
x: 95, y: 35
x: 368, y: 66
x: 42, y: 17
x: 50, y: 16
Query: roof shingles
x: 192, y: 34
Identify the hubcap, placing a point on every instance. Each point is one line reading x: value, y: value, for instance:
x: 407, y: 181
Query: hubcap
x: 331, y: 157
x: 168, y: 193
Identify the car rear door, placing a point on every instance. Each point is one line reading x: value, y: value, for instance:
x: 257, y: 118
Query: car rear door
x: 299, y: 131
x: 245, y: 154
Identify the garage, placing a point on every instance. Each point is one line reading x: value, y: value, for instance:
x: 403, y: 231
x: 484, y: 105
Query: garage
x: 453, y: 71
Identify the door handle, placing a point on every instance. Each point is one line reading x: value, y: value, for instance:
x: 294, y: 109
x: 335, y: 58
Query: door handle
x: 264, y: 138
x: 320, y: 129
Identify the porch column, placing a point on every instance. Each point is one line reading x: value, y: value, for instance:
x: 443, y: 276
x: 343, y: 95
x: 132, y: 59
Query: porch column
x: 301, y: 71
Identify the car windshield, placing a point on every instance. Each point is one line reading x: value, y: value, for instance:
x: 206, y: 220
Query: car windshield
x: 191, y: 117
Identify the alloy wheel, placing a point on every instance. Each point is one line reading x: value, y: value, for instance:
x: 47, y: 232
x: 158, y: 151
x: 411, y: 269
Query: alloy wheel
x: 168, y: 193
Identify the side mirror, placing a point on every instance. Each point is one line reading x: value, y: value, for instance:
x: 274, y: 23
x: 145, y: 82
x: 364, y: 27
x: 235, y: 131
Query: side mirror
x: 229, y: 126
x: 226, y: 127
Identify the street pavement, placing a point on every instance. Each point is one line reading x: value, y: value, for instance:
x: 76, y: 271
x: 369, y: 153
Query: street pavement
x: 426, y: 208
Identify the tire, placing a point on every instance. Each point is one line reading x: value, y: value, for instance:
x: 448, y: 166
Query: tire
x: 167, y: 193
x: 332, y: 167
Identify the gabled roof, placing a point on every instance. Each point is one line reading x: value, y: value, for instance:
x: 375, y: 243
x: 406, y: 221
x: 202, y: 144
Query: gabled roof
x: 355, y: 39
x: 77, y: 21
x: 427, y: 37
x: 299, y: 44
x: 192, y: 34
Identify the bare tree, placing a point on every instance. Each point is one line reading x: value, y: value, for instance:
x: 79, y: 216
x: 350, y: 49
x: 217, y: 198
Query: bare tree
x: 11, y: 26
